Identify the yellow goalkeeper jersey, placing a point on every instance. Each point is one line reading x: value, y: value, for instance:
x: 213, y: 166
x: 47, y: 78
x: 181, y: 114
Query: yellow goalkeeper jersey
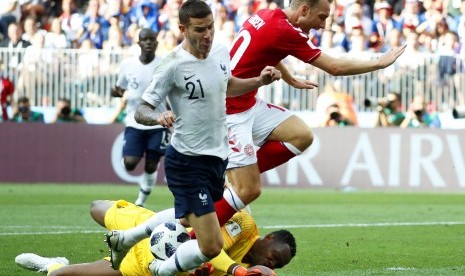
x: 239, y: 234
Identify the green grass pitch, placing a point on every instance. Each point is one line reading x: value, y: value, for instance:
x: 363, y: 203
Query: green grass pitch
x: 352, y: 233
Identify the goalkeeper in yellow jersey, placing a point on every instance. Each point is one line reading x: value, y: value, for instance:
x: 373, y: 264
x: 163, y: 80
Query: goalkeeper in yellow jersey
x: 243, y: 247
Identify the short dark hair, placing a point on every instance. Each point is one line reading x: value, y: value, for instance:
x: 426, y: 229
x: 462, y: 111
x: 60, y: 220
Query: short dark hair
x: 193, y: 9
x: 147, y: 32
x: 286, y: 237
x: 23, y: 99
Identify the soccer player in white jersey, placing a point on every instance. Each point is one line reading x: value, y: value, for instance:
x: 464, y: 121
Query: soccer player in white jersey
x: 196, y: 78
x: 141, y: 141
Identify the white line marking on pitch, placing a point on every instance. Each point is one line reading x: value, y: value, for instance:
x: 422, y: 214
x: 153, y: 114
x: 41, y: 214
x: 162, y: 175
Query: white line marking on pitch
x: 77, y: 229
x: 53, y: 232
x: 400, y: 268
x: 380, y: 224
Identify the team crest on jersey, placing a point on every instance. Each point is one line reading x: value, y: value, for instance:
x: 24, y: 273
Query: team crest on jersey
x: 248, y: 149
x: 233, y: 228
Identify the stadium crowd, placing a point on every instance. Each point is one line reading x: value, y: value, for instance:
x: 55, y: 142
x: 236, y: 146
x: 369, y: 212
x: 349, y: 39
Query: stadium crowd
x: 367, y: 25
x: 428, y: 26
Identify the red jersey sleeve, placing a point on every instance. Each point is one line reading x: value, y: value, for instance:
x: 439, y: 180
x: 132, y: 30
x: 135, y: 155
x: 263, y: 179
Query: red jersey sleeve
x: 265, y: 39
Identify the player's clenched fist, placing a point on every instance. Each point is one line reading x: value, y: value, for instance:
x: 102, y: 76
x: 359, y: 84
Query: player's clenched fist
x: 166, y: 118
x: 269, y: 74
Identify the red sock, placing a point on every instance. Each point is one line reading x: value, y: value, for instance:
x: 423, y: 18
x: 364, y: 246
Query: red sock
x: 224, y: 211
x: 272, y: 154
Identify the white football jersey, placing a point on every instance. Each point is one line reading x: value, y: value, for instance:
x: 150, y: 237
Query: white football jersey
x: 135, y: 77
x: 196, y: 90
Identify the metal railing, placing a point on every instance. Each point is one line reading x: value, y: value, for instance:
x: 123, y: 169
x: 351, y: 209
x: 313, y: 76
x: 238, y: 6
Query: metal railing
x: 86, y: 77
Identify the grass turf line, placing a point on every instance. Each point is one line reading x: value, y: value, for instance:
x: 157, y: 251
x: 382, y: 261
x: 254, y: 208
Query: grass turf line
x: 382, y: 250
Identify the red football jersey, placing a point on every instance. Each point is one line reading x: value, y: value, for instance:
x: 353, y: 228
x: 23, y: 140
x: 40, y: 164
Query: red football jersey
x: 265, y: 39
x: 6, y: 89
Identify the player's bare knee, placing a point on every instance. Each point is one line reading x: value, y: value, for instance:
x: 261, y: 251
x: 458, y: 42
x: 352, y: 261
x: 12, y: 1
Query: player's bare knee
x: 249, y: 194
x: 307, y: 139
x: 129, y: 165
x: 95, y: 207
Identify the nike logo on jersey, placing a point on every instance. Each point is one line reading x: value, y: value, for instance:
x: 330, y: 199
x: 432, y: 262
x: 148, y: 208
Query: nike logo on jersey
x: 186, y: 78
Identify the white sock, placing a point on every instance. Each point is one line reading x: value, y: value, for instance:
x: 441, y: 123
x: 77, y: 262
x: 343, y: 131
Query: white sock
x: 136, y: 234
x: 291, y: 148
x: 187, y: 256
x: 146, y: 184
x: 233, y: 199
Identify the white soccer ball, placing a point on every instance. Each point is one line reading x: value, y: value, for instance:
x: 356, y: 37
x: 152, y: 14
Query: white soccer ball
x: 166, y: 238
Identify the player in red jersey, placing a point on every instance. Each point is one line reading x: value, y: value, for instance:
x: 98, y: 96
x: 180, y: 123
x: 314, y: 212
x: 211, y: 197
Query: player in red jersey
x: 266, y: 38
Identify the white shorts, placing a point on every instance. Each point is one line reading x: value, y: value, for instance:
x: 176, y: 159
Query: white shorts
x: 249, y: 129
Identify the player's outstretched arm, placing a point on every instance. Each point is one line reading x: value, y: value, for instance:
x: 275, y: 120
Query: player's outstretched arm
x: 346, y: 67
x: 237, y: 86
x: 293, y: 81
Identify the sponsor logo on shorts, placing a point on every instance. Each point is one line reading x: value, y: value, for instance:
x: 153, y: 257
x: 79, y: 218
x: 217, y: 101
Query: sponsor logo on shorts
x: 248, y: 149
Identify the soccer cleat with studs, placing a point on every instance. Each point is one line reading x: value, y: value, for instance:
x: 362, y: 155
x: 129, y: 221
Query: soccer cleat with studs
x: 114, y: 240
x: 38, y: 263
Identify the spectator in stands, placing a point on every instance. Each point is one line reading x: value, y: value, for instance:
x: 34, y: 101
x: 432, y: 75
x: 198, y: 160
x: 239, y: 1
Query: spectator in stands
x: 412, y: 63
x: 9, y: 13
x: 448, y: 67
x: 66, y: 114
x: 56, y: 37
x: 393, y: 40
x: 94, y: 27
x: 31, y: 27
x: 355, y: 17
x: 356, y: 40
x: 431, y: 18
x: 7, y: 88
x: 225, y: 34
x: 383, y: 25
x: 427, y: 43
x: 36, y: 63
x: 335, y: 118
x: 71, y: 21
x: 114, y: 41
x: 418, y: 116
x: 24, y: 113
x: 144, y: 14
x: 335, y: 107
x: 14, y: 39
x: 340, y: 42
x: 410, y: 18
x: 389, y: 110
x: 459, y: 23
x: 169, y: 17
x: 168, y: 41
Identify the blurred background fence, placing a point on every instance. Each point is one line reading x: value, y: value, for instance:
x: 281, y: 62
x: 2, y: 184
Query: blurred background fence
x: 86, y: 77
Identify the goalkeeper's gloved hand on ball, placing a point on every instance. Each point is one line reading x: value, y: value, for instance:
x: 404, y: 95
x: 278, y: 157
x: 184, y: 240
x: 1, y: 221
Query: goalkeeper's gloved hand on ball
x: 257, y: 270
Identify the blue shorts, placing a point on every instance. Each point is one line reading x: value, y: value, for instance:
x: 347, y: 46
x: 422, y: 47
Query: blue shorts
x: 195, y: 181
x: 152, y: 142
